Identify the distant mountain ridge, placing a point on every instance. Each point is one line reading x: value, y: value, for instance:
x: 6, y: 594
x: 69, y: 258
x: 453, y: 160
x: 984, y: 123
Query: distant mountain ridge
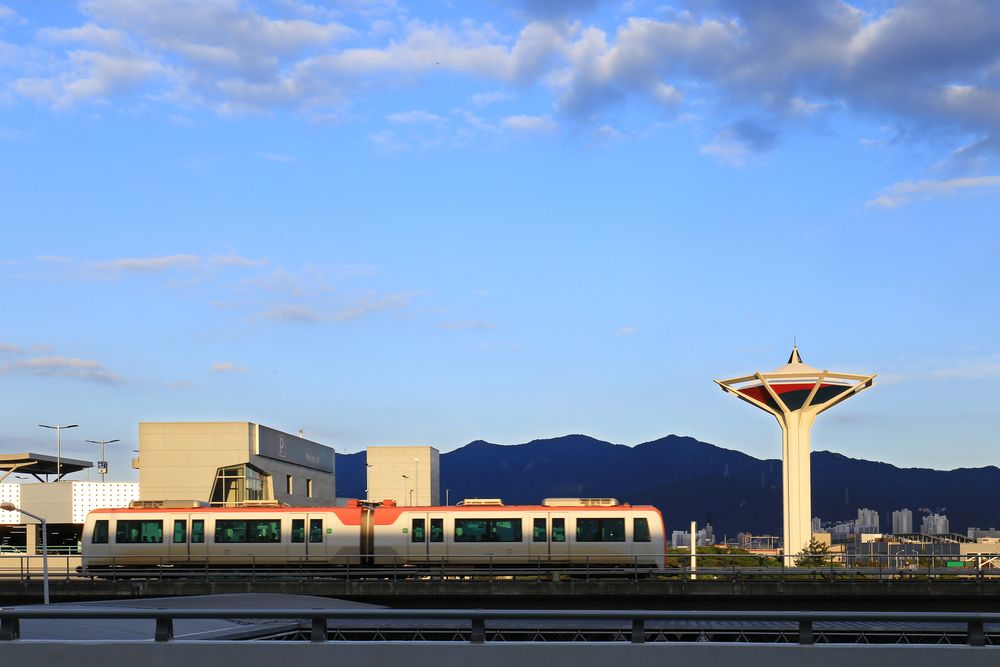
x: 693, y: 480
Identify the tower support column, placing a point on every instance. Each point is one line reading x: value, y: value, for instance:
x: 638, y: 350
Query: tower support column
x: 796, y: 478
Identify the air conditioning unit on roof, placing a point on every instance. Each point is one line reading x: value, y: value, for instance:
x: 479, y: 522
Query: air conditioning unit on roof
x: 580, y: 502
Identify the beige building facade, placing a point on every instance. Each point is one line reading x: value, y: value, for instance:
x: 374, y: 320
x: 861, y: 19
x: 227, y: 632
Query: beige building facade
x: 232, y: 464
x: 408, y: 475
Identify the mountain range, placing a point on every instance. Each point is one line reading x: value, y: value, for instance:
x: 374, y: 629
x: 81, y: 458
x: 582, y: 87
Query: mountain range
x: 692, y: 480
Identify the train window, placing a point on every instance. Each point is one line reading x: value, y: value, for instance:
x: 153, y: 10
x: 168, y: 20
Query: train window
x: 180, y: 531
x: 315, y: 530
x: 538, y: 531
x: 600, y: 530
x: 558, y: 530
x: 249, y: 530
x: 100, y: 535
x: 197, y: 531
x: 640, y: 530
x: 437, y: 530
x: 417, y: 534
x: 487, y: 530
x: 298, y: 530
x: 138, y: 532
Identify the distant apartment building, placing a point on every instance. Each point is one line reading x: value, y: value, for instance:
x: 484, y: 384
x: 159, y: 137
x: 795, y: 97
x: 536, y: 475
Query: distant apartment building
x: 842, y: 530
x: 934, y: 524
x: 682, y: 538
x: 867, y: 521
x: 902, y: 522
x: 817, y: 525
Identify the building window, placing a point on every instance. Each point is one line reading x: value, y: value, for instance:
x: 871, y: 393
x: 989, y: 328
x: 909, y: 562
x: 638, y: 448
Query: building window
x: 240, y: 485
x: 600, y: 530
x: 316, y: 530
x: 487, y: 530
x: 309, y: 488
x: 437, y: 530
x: 289, y: 485
x: 100, y: 535
x: 139, y: 532
x: 640, y: 530
x: 197, y: 531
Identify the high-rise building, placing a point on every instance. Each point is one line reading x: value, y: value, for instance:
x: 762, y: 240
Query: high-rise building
x: 867, y: 521
x: 817, y: 525
x: 902, y: 522
x: 934, y: 524
x: 795, y: 394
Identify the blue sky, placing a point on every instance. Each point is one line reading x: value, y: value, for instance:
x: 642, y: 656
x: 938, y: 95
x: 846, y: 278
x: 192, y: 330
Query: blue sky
x: 426, y: 223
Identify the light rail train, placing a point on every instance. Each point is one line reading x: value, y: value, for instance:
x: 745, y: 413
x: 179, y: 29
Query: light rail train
x: 557, y: 532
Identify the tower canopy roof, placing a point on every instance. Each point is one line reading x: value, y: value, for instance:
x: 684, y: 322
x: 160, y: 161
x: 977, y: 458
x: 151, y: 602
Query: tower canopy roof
x: 795, y: 366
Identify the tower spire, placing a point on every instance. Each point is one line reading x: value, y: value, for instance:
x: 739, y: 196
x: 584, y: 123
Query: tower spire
x: 794, y: 357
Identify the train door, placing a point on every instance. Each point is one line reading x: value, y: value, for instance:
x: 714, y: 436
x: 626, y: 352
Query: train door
x: 316, y: 539
x: 558, y: 543
x: 437, y: 542
x: 197, y: 544
x: 417, y: 544
x: 177, y: 538
x: 298, y: 547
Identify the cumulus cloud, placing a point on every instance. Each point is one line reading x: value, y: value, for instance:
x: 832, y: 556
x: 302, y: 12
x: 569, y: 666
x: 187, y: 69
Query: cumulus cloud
x: 416, y: 116
x: 89, y: 76
x: 64, y: 367
x: 736, y: 143
x: 905, y: 192
x: 227, y: 367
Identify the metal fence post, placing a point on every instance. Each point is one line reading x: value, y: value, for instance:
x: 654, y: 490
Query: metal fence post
x: 164, y: 629
x: 638, y: 631
x: 805, y: 632
x: 478, y: 633
x: 318, y: 633
x: 977, y: 635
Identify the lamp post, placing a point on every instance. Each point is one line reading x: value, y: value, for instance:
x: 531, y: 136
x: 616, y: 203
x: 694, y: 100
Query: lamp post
x: 58, y: 429
x: 11, y: 507
x: 368, y: 479
x: 102, y: 465
x: 405, y: 477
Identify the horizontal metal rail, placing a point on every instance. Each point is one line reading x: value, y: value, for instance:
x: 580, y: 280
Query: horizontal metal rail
x: 634, y: 620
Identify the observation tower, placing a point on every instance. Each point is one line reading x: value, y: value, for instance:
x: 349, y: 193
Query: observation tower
x: 795, y: 394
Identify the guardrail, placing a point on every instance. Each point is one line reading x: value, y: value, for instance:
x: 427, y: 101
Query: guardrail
x: 635, y: 621
x: 728, y: 568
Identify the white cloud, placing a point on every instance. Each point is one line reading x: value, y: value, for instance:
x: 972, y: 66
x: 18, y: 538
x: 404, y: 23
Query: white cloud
x: 276, y: 157
x: 489, y: 98
x: 64, y: 367
x: 294, y: 313
x: 530, y: 124
x: 227, y: 367
x: 88, y: 33
x: 474, y: 324
x: 627, y: 331
x: 416, y: 116
x: 89, y: 76
x: 373, y: 303
x: 905, y: 192
x: 8, y: 348
x: 182, y: 262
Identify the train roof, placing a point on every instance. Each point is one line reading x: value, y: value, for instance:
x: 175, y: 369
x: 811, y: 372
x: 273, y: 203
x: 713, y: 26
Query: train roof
x: 381, y: 508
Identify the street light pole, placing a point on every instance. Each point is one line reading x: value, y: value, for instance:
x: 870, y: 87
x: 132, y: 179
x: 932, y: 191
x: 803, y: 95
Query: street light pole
x: 102, y: 466
x: 58, y: 429
x: 368, y: 479
x: 405, y: 477
x: 11, y: 507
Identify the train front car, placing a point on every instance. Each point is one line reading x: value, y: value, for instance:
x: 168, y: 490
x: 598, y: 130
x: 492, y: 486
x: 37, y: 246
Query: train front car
x: 484, y: 532
x: 224, y: 537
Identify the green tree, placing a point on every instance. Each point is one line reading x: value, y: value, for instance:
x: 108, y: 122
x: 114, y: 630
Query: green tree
x: 816, y: 554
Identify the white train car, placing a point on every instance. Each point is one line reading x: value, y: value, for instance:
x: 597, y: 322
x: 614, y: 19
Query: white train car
x: 558, y: 532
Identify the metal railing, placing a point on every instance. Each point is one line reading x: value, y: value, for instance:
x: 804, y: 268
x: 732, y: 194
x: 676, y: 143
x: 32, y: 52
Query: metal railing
x: 721, y: 568
x: 636, y: 624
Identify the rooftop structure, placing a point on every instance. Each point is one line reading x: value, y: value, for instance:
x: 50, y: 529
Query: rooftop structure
x: 40, y: 464
x: 795, y: 394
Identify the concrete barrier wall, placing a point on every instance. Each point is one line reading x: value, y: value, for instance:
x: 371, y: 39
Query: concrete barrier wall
x: 432, y: 654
